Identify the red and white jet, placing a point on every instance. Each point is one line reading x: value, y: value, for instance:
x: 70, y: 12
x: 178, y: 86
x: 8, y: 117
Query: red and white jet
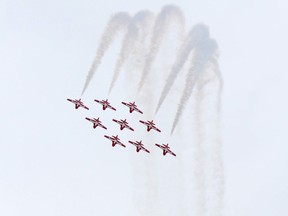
x: 78, y: 103
x: 166, y: 149
x: 96, y: 122
x: 139, y: 146
x: 132, y: 107
x: 115, y: 140
x: 105, y: 104
x: 123, y: 124
x: 150, y: 125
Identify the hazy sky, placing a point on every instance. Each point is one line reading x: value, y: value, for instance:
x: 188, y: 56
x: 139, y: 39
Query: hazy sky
x: 50, y: 161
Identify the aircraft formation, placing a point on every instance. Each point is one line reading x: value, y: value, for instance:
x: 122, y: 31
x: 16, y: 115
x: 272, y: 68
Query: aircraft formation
x: 123, y: 125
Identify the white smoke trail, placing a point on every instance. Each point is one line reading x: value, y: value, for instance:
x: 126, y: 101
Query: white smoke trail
x: 168, y: 13
x: 215, y: 69
x: 148, y: 195
x: 204, y: 53
x: 138, y: 23
x: 117, y: 22
x: 207, y: 160
x: 212, y: 99
x: 198, y: 33
x: 199, y: 159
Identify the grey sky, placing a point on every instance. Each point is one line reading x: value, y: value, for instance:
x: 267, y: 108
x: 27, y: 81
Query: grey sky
x: 50, y: 160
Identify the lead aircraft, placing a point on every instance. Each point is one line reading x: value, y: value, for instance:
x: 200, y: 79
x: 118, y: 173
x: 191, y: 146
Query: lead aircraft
x: 166, y: 149
x: 139, y: 146
x: 78, y: 103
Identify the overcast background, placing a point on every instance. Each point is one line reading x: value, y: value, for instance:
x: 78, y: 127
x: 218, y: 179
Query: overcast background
x: 50, y: 163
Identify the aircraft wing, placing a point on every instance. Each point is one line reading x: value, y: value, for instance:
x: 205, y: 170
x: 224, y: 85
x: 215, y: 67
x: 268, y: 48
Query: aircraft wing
x: 111, y: 107
x: 138, y: 110
x: 143, y: 148
x: 125, y: 103
x: 97, y: 101
x: 99, y: 124
x: 142, y: 122
x: 130, y: 128
x: 159, y: 146
x: 116, y: 121
x: 169, y: 151
x: 155, y: 128
x: 91, y: 120
x: 108, y: 137
x: 70, y: 100
x: 133, y: 143
x: 118, y: 142
x: 84, y: 106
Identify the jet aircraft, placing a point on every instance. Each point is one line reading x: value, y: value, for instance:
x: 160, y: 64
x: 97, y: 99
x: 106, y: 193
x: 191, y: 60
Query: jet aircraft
x: 166, y: 149
x: 78, y: 103
x: 105, y: 104
x: 123, y: 124
x: 96, y: 122
x: 132, y: 107
x: 115, y: 140
x: 150, y: 125
x: 139, y: 146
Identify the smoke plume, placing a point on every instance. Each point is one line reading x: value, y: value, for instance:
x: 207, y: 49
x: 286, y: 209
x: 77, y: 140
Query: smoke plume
x: 117, y: 23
